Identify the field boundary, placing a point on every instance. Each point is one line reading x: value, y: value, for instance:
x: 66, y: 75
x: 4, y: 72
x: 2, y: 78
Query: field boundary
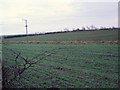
x: 61, y: 42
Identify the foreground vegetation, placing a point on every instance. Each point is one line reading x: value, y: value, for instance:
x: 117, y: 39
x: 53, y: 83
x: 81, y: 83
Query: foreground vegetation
x: 71, y: 66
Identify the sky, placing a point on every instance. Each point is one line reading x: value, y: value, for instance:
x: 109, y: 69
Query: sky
x: 55, y: 15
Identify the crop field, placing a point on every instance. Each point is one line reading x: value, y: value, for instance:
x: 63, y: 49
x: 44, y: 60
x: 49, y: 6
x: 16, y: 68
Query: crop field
x: 61, y: 61
x: 64, y: 66
x: 106, y: 35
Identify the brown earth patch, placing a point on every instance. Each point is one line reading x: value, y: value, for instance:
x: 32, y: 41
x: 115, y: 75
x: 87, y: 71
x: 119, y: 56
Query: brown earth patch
x: 61, y: 42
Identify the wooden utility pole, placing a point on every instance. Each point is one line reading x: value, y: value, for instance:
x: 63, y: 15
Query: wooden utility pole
x: 26, y: 29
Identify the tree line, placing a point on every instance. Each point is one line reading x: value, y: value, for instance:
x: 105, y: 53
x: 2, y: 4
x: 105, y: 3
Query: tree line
x: 87, y: 28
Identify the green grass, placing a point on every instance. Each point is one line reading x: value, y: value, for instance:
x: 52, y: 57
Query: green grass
x: 71, y: 36
x: 71, y: 66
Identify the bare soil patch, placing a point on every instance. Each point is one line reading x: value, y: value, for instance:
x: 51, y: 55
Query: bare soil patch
x: 61, y: 42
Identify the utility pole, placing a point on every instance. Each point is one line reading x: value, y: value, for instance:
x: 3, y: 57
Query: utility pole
x: 26, y: 29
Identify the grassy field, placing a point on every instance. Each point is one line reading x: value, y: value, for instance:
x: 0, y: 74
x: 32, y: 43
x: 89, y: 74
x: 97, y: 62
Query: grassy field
x: 72, y: 36
x: 67, y: 65
x: 61, y: 66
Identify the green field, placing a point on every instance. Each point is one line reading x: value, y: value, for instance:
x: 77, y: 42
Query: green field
x: 65, y: 66
x: 72, y: 36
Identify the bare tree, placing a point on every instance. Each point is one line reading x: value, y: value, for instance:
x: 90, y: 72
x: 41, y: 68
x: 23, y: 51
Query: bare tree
x: 83, y: 28
x: 15, y: 71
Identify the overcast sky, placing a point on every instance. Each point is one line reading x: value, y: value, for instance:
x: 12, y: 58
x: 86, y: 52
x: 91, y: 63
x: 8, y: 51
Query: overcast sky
x: 55, y: 15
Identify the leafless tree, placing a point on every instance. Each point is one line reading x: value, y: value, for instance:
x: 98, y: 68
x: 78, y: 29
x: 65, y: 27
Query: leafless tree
x: 15, y: 71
